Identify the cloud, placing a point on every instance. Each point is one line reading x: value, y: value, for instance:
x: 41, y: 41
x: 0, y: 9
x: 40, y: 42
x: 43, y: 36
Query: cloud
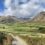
x: 1, y: 14
x: 29, y: 8
x: 7, y: 3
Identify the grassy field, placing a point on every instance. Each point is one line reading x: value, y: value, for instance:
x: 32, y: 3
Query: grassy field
x: 23, y: 28
x: 32, y: 33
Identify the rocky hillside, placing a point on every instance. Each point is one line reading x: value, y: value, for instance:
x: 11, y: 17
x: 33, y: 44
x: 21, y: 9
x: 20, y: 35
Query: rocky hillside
x: 8, y: 19
x: 12, y: 19
x: 40, y: 17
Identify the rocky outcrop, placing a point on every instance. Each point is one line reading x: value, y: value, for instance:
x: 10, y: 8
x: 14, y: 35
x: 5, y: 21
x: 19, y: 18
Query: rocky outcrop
x: 40, y: 17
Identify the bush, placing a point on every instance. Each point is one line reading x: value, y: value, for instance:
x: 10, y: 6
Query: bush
x: 2, y: 37
x: 3, y: 27
x: 42, y: 29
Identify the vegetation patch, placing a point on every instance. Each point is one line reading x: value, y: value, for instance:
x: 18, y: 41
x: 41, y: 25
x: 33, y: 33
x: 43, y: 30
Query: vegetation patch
x: 32, y: 40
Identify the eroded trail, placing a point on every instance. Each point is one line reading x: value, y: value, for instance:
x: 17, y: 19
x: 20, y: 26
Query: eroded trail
x: 18, y: 40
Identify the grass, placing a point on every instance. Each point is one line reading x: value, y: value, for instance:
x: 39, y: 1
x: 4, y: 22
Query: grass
x: 30, y: 32
x: 22, y: 27
x: 34, y: 40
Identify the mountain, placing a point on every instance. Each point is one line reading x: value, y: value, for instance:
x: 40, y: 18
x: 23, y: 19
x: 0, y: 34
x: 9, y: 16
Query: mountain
x: 39, y: 17
x: 8, y: 19
x: 12, y: 19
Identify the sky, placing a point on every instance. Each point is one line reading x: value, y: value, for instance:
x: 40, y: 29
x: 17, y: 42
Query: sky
x: 21, y: 8
x: 1, y: 5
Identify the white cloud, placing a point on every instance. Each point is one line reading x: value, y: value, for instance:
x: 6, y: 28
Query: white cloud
x: 7, y: 3
x: 22, y: 10
x: 1, y: 14
x: 43, y: 9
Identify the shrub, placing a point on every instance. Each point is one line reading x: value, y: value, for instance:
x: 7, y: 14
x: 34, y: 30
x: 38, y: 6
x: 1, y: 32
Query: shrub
x: 3, y: 27
x: 42, y: 29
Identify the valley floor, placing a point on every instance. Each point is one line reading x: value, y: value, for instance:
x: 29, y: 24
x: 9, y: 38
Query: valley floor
x: 32, y: 33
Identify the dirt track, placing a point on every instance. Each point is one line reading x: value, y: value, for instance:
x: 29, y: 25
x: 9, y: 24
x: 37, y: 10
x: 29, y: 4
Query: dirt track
x: 17, y: 40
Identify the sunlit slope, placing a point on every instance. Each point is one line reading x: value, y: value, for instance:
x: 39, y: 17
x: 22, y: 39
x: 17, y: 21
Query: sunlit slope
x: 40, y: 17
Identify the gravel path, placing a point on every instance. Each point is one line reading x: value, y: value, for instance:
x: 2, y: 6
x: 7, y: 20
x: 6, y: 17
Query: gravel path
x: 17, y: 40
